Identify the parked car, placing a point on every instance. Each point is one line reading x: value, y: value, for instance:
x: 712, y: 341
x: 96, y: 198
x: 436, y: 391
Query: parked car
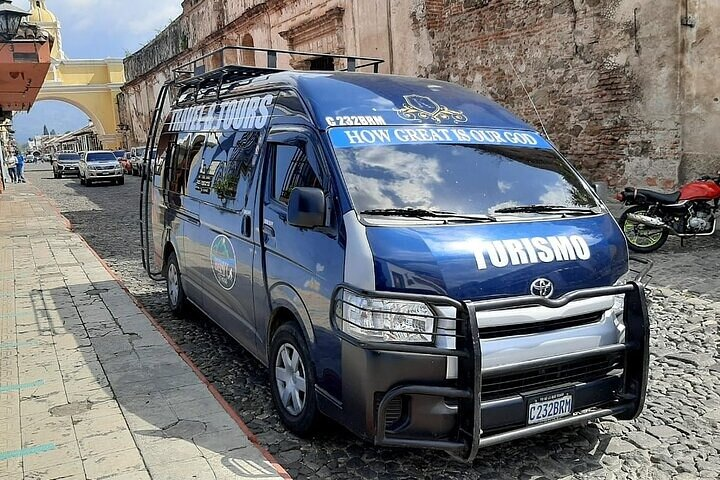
x: 124, y: 159
x: 100, y: 166
x: 138, y: 159
x: 66, y: 164
x: 126, y: 162
x: 137, y: 156
x: 405, y: 256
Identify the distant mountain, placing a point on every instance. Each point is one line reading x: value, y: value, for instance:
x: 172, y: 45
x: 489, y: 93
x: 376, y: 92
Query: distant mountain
x: 58, y: 116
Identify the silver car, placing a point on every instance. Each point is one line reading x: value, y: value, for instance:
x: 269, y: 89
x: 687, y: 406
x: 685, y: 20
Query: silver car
x: 100, y: 166
x: 137, y: 156
x: 66, y: 164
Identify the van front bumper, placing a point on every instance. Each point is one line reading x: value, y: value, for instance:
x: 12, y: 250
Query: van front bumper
x: 401, y: 395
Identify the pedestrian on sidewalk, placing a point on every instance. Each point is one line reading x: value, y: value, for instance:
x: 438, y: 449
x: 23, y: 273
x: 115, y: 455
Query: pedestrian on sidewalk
x: 11, y: 163
x: 20, y: 167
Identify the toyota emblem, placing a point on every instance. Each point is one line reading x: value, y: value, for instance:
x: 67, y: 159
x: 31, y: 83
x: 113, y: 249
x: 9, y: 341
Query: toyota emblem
x: 542, y: 287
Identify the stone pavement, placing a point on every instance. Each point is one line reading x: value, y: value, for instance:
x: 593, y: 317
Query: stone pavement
x: 89, y: 388
x: 675, y: 438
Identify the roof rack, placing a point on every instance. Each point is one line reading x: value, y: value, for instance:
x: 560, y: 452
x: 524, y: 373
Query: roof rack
x: 229, y: 59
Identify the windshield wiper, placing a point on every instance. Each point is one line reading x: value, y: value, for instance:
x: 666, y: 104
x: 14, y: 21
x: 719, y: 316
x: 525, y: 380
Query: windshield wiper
x: 421, y: 213
x: 546, y: 209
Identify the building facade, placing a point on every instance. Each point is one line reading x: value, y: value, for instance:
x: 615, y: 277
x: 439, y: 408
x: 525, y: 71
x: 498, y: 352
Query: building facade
x: 92, y: 85
x: 628, y: 89
x: 373, y: 28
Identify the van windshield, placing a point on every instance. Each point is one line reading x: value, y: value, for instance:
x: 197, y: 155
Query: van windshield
x: 460, y: 178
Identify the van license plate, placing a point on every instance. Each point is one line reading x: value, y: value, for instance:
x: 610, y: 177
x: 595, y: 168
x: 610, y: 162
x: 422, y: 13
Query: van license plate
x: 544, y: 409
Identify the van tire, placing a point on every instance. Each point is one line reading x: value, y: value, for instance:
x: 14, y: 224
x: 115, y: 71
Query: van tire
x: 290, y: 340
x: 175, y: 290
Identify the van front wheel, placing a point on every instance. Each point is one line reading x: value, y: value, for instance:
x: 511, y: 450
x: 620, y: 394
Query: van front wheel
x: 176, y: 293
x: 292, y: 380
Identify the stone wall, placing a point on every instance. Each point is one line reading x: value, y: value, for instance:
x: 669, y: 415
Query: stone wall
x: 700, y: 90
x: 582, y: 63
x: 627, y: 89
x: 169, y: 43
x: 373, y: 28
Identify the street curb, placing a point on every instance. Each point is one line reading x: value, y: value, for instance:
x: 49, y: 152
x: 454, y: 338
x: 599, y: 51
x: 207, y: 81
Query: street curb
x: 181, y: 353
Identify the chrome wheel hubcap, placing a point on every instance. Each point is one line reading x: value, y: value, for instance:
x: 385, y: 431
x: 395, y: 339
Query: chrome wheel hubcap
x: 290, y: 379
x: 641, y: 235
x: 173, y: 285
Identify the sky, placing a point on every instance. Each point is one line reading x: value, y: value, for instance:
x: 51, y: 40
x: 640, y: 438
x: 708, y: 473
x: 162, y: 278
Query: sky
x: 94, y: 29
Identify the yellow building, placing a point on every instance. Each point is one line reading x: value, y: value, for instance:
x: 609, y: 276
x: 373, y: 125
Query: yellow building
x: 90, y: 85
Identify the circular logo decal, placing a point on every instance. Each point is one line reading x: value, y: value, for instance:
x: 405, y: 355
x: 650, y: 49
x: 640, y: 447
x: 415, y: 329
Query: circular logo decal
x: 224, y: 263
x: 542, y: 287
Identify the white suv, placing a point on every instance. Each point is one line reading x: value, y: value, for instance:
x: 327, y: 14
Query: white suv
x: 100, y: 166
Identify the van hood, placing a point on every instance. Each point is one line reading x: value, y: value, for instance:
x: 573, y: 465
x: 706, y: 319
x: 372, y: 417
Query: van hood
x: 481, y: 261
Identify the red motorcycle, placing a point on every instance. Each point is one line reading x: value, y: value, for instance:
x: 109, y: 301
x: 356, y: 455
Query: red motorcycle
x: 690, y: 212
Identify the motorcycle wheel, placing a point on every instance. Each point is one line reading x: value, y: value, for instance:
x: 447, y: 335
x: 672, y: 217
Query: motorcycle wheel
x: 641, y: 238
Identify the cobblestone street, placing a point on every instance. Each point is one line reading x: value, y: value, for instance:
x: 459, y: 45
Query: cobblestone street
x: 676, y: 437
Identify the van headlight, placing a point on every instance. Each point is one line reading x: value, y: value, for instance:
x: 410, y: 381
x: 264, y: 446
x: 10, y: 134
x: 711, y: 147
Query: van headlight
x: 618, y: 307
x: 385, y: 320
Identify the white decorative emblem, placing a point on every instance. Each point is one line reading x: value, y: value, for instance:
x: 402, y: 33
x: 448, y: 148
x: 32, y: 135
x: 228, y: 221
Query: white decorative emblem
x: 542, y: 287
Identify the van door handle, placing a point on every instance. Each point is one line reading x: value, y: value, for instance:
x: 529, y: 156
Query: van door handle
x: 268, y: 231
x: 246, y: 229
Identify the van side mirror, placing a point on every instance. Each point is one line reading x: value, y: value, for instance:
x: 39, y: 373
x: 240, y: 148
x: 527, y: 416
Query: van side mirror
x: 306, y: 208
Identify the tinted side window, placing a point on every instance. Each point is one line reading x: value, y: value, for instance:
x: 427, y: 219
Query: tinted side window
x: 228, y: 162
x: 291, y: 168
x: 166, y: 146
x: 178, y: 153
x: 188, y: 153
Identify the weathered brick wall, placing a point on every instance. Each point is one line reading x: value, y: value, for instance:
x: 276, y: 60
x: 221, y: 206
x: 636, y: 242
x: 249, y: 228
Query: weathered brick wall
x: 584, y: 65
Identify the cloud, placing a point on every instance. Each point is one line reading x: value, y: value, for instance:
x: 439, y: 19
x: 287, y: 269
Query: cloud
x: 400, y: 179
x: 95, y: 29
x: 110, y: 28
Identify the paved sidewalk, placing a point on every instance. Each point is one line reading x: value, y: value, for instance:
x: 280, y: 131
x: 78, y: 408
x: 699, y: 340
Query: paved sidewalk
x: 88, y: 387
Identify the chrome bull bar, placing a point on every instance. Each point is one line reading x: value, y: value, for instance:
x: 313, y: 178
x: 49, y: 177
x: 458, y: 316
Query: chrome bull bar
x: 469, y: 437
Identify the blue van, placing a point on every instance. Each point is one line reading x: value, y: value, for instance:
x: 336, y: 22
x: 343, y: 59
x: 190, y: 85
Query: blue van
x: 406, y: 257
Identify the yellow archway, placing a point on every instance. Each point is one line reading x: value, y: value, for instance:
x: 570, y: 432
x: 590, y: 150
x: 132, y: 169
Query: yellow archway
x: 93, y: 87
x: 90, y: 85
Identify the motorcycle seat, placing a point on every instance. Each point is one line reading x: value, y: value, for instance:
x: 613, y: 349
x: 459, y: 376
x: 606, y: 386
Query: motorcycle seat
x: 654, y: 196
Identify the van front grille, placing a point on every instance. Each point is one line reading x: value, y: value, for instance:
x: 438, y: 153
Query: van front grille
x: 539, y: 327
x: 523, y: 381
